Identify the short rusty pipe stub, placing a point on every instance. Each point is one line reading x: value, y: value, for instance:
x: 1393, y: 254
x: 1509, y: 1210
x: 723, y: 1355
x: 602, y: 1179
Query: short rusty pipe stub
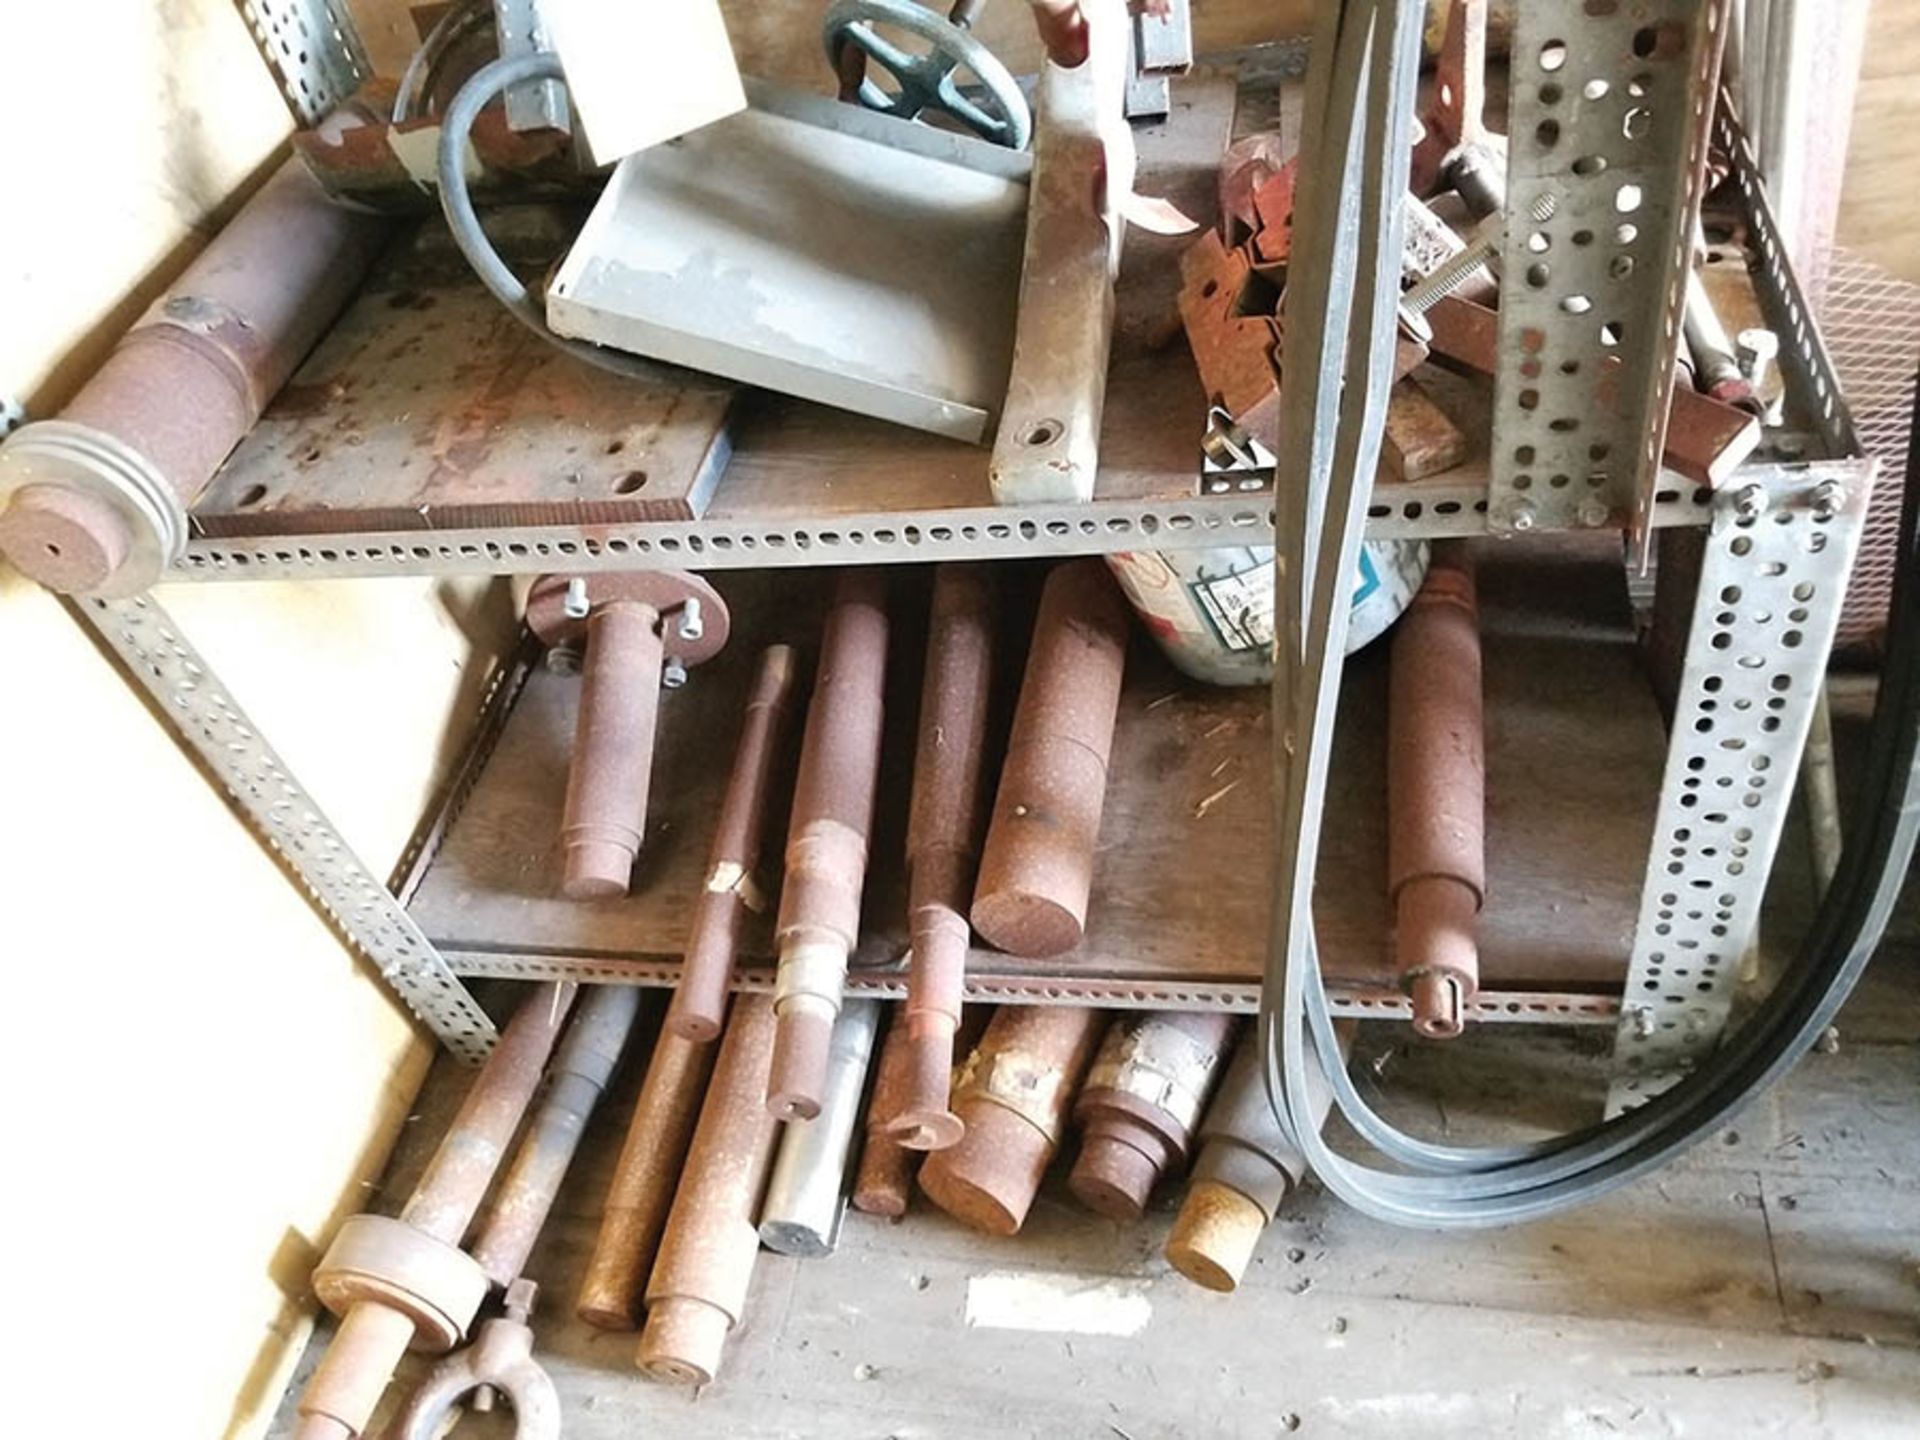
x: 945, y: 826
x: 1436, y: 790
x: 1141, y: 1103
x: 827, y: 838
x: 629, y: 626
x: 1036, y: 872
x: 1013, y: 1096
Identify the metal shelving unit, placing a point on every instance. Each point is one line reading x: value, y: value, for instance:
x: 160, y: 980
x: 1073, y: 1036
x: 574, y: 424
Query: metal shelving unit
x: 802, y: 487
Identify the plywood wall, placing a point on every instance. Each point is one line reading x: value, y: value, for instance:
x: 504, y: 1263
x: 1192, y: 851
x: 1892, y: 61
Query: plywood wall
x: 1880, y: 194
x: 201, y: 1080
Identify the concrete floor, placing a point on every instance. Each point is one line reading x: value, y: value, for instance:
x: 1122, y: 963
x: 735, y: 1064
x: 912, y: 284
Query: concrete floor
x: 1769, y: 1283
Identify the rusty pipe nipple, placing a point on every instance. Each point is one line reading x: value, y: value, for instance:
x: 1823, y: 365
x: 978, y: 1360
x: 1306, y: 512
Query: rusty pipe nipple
x: 1438, y: 1005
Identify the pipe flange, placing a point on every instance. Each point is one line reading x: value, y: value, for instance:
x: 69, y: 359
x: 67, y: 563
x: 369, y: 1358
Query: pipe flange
x: 665, y: 591
x: 100, y: 519
x: 388, y: 1262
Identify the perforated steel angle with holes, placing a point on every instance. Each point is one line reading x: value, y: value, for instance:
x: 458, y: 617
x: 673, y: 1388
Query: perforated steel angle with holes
x: 1771, y: 588
x: 313, y: 50
x: 1605, y: 98
x: 211, y: 723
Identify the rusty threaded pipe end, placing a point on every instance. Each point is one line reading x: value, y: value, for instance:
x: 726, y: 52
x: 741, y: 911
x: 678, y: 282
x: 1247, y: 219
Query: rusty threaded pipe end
x: 1438, y: 1005
x: 802, y: 1041
x: 1437, y: 950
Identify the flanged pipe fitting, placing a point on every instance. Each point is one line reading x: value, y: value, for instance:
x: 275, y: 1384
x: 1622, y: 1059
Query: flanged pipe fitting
x: 631, y: 628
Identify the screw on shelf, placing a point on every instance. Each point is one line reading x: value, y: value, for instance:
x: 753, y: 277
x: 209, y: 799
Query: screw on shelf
x: 1754, y: 351
x: 1594, y: 512
x: 1521, y: 515
x: 1828, y: 496
x: 673, y: 674
x: 575, y: 605
x: 1750, y: 501
x: 563, y: 659
x: 1483, y: 245
x: 692, y: 627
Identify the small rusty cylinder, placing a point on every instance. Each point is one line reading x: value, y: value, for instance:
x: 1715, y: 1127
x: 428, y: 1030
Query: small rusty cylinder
x: 643, y: 1182
x: 1436, y: 789
x: 575, y: 1082
x: 944, y: 830
x: 94, y: 500
x: 807, y: 1194
x: 1013, y: 1095
x: 699, y: 1284
x: 1037, y: 870
x: 1150, y: 1080
x: 827, y: 841
x: 1245, y: 1170
x: 404, y: 1282
x: 700, y: 999
x: 607, y: 785
x: 883, y: 1180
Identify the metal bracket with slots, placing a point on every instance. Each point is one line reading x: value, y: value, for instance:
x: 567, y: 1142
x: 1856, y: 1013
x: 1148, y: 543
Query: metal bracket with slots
x: 1598, y: 248
x: 313, y: 50
x: 210, y: 723
x: 1771, y: 585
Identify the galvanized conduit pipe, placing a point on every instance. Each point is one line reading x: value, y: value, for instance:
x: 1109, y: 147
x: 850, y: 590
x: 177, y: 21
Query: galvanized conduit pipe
x: 807, y: 1194
x: 700, y: 999
x: 827, y: 836
x: 95, y: 501
x: 944, y: 826
x: 396, y: 1283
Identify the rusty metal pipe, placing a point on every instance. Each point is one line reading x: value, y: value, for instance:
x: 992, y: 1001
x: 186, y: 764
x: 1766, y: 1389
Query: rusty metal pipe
x: 827, y: 841
x: 1063, y: 30
x: 94, y: 501
x: 1141, y: 1101
x: 575, y: 1082
x: 1012, y: 1095
x: 612, y: 770
x: 883, y: 1180
x: 944, y: 828
x: 403, y: 1282
x: 1037, y: 868
x: 1436, y: 794
x: 700, y: 999
x: 1246, y: 1169
x: 643, y: 1182
x: 698, y: 1289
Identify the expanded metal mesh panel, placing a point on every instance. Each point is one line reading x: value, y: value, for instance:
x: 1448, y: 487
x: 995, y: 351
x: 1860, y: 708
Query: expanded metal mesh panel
x: 1871, y: 319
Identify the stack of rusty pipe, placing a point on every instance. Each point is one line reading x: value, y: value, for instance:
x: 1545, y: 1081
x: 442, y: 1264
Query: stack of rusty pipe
x: 633, y: 630
x: 944, y: 826
x: 1142, y: 1099
x: 404, y: 1282
x: 827, y: 842
x: 94, y: 501
x: 1013, y: 1096
x: 1036, y: 871
x: 1436, y: 784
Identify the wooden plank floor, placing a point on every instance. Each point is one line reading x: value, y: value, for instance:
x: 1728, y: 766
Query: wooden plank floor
x: 1768, y: 1284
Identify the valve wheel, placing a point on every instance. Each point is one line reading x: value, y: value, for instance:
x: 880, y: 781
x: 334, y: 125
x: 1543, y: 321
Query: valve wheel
x: 999, y: 113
